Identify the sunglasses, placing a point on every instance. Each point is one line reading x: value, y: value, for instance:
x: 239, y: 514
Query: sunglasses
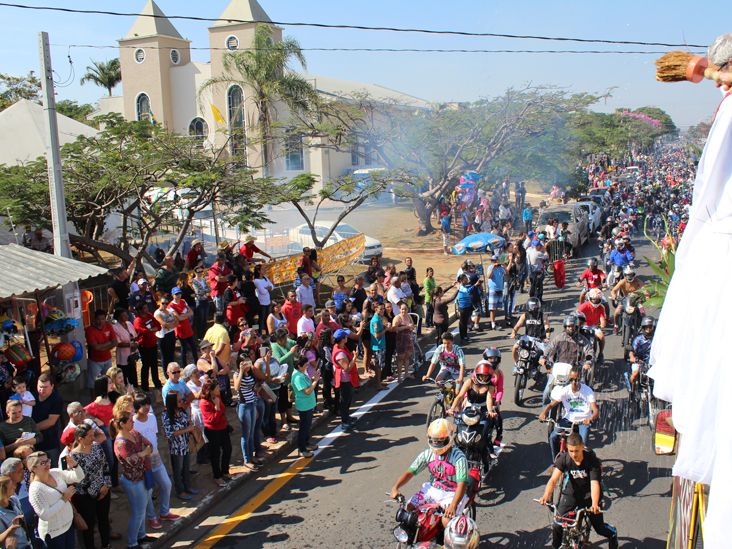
x: 574, y: 380
x: 174, y: 372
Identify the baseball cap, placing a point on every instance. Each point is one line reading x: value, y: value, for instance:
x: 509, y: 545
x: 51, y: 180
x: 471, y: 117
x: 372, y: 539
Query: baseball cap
x: 330, y: 303
x: 531, y: 233
x: 175, y: 291
x: 142, y: 281
x: 535, y: 242
x: 341, y: 333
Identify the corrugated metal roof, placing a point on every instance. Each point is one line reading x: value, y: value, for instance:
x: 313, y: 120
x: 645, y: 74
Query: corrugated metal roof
x: 26, y: 271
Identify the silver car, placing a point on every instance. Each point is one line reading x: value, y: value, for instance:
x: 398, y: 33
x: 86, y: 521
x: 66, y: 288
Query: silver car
x: 579, y: 231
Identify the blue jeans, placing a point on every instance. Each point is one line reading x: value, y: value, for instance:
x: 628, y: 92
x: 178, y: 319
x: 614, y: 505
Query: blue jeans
x: 219, y: 303
x: 303, y: 433
x: 137, y: 495
x: 584, y: 431
x: 546, y: 394
x: 109, y: 454
x: 247, y: 418
x: 67, y: 540
x: 508, y: 303
x: 162, y: 480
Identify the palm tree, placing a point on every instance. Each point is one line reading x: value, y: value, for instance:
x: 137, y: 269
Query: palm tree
x: 106, y: 74
x: 265, y: 70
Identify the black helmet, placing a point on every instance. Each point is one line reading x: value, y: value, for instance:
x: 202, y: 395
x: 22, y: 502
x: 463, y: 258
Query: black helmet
x: 592, y: 262
x: 570, y: 320
x: 581, y: 318
x: 648, y: 322
x: 492, y: 355
x: 533, y: 305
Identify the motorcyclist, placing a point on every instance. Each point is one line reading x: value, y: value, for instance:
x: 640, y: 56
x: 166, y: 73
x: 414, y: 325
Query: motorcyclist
x: 628, y: 285
x: 594, y: 312
x: 568, y: 346
x: 448, y: 468
x: 480, y: 390
x: 493, y: 356
x: 628, y: 246
x: 607, y: 229
x: 536, y: 322
x: 580, y: 471
x: 620, y: 256
x: 451, y: 359
x: 580, y: 408
x: 641, y: 347
x: 592, y: 277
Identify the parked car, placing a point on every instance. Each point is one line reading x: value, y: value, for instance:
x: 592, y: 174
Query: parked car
x: 575, y: 216
x: 301, y: 236
x: 594, y: 214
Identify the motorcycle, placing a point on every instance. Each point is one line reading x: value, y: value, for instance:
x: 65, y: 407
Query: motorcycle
x: 630, y: 321
x: 470, y: 429
x: 642, y: 392
x: 422, y: 528
x: 530, y: 350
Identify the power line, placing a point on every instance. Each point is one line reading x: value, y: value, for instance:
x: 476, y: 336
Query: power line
x: 354, y: 27
x: 377, y: 50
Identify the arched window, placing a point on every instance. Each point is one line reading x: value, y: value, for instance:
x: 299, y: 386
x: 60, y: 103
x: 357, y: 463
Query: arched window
x: 198, y: 129
x: 235, y: 107
x: 142, y: 108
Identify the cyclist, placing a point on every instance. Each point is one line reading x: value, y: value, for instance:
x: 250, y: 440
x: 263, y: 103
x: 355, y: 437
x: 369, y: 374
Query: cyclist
x: 448, y: 468
x: 594, y: 312
x: 592, y: 277
x: 580, y: 472
x: 580, y: 408
x: 641, y: 347
x: 570, y: 347
x: 451, y: 360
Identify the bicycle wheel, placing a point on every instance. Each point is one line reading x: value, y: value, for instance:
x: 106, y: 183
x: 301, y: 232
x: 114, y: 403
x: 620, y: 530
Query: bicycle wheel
x: 437, y: 410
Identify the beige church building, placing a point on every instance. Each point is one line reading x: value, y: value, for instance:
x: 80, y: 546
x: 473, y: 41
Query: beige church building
x: 161, y: 82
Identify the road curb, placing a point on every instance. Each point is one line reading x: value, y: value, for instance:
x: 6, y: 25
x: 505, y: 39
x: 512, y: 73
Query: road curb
x: 220, y: 494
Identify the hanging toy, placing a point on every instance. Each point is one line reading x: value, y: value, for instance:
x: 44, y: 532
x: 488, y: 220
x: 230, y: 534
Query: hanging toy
x: 58, y: 324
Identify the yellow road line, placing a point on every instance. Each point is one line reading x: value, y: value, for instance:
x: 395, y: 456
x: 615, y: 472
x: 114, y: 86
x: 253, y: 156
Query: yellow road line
x: 251, y: 506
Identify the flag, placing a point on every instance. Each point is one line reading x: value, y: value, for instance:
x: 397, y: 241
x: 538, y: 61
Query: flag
x: 217, y: 114
x: 153, y: 120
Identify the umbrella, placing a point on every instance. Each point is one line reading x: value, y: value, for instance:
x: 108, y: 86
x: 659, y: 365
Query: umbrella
x: 479, y: 243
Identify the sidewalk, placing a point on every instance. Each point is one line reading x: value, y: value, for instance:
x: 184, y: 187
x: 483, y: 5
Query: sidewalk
x: 193, y: 510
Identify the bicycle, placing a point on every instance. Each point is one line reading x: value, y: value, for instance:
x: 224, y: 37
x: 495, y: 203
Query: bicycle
x: 643, y: 389
x: 443, y: 399
x: 564, y: 432
x: 575, y: 526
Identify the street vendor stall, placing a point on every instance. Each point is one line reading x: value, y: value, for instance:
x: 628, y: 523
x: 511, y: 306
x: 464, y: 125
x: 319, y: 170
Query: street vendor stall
x: 32, y: 311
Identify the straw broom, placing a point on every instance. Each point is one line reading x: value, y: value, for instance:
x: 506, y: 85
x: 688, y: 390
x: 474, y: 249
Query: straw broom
x: 680, y: 66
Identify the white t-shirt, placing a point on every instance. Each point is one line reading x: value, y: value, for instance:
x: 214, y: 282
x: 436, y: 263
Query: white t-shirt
x: 149, y: 430
x: 305, y: 325
x: 394, y: 296
x: 535, y: 258
x: 27, y: 410
x: 577, y: 406
x: 263, y: 287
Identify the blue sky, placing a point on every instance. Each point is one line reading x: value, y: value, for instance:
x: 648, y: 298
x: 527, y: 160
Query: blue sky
x: 435, y: 77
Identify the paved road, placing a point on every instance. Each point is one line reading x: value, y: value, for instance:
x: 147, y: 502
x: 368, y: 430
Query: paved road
x: 338, y: 499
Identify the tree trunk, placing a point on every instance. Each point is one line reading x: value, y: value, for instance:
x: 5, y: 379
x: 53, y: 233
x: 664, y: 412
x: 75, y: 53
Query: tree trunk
x: 424, y: 209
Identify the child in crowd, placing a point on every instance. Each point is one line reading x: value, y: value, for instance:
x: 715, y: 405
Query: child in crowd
x: 24, y: 396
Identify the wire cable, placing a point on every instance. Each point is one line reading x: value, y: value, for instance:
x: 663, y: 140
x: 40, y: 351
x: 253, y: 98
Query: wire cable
x: 353, y: 27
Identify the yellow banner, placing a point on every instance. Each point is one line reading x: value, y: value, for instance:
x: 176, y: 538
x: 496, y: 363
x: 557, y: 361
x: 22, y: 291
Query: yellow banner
x: 331, y: 258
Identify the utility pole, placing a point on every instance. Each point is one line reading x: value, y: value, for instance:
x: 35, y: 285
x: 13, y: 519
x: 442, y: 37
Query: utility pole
x: 61, y: 245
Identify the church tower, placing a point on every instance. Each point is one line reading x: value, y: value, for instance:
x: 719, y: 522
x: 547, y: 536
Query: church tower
x: 148, y: 52
x: 227, y: 36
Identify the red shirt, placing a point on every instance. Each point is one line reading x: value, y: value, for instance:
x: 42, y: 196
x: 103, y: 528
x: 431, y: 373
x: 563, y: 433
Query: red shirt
x: 183, y: 330
x: 218, y: 287
x: 292, y: 312
x: 101, y: 411
x: 146, y: 326
x: 213, y: 418
x: 307, y: 265
x: 594, y: 278
x: 332, y: 326
x: 592, y: 313
x: 339, y: 374
x: 98, y: 336
x: 249, y: 249
x: 192, y: 257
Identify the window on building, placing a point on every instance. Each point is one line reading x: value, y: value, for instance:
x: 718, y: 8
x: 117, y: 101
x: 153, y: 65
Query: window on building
x: 232, y: 43
x: 369, y: 154
x: 142, y: 107
x: 237, y: 130
x: 175, y: 57
x: 355, y: 156
x: 294, y: 158
x: 198, y: 129
x: 139, y: 55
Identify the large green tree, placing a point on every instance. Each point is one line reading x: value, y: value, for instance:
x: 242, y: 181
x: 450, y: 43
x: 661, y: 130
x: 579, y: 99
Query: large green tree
x: 130, y: 183
x: 265, y: 71
x: 78, y: 112
x: 105, y: 74
x: 15, y: 88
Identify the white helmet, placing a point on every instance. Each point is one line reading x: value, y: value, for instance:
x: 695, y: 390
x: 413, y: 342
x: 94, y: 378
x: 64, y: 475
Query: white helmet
x: 462, y: 533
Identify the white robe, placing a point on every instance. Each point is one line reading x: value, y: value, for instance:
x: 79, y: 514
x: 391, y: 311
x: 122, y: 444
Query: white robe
x: 690, y: 355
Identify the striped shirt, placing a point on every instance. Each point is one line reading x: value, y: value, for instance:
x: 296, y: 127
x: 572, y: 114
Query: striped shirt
x: 246, y: 390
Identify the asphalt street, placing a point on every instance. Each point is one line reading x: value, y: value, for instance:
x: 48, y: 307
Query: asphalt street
x: 339, y: 498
